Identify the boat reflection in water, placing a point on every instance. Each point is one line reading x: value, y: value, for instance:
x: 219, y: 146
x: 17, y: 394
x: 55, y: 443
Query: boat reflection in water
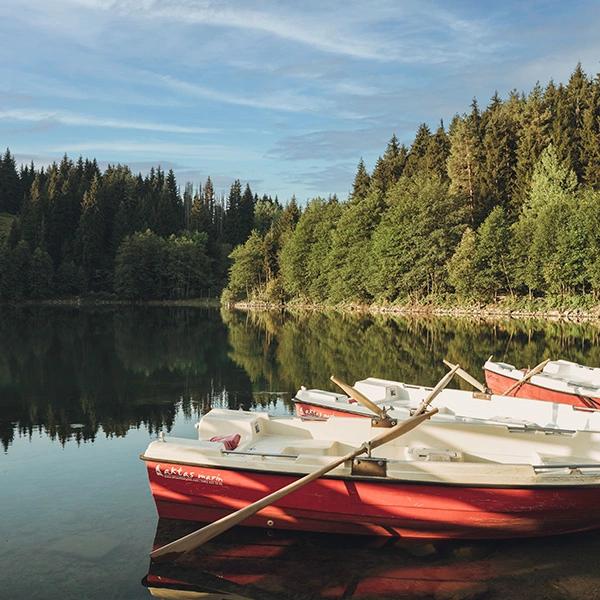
x: 246, y: 563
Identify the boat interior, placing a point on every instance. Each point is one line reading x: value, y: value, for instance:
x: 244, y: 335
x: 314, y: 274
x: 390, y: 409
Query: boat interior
x: 464, y: 406
x: 269, y: 441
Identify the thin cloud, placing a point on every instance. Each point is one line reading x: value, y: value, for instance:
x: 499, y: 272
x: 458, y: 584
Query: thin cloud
x: 295, y: 28
x: 283, y: 102
x: 77, y: 119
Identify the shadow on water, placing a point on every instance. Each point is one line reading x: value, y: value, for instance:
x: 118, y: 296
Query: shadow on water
x: 260, y: 564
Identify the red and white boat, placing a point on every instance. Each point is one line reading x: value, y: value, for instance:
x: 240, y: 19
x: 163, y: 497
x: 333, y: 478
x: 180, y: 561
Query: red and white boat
x: 455, y: 406
x: 560, y: 381
x: 504, y: 486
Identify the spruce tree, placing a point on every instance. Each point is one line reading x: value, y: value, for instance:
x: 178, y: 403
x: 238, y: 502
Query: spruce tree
x: 465, y: 165
x: 418, y: 150
x: 362, y: 181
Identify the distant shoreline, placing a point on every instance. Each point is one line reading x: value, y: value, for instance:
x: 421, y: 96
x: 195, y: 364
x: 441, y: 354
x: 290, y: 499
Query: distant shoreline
x: 473, y: 311
x: 83, y: 301
x: 422, y: 310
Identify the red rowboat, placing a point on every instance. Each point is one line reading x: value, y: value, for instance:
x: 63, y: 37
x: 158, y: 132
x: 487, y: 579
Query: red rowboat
x: 560, y: 381
x: 400, y: 491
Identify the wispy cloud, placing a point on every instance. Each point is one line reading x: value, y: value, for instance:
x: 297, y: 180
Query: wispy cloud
x: 283, y: 101
x: 76, y: 119
x: 160, y: 149
x: 319, y: 34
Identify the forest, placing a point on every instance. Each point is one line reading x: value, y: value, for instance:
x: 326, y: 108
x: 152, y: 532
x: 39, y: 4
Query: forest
x: 72, y: 230
x: 502, y: 205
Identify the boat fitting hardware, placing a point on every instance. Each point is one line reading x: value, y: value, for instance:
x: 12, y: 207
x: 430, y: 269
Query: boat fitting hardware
x: 385, y: 421
x: 370, y: 467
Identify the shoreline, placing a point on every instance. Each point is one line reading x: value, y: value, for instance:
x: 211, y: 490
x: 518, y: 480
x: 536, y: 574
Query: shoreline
x: 474, y: 311
x: 493, y: 311
x: 83, y: 301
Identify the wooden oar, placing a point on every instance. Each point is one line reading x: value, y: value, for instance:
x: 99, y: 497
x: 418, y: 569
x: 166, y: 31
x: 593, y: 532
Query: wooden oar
x: 203, y: 535
x: 467, y: 377
x: 361, y: 398
x: 441, y: 384
x: 515, y: 386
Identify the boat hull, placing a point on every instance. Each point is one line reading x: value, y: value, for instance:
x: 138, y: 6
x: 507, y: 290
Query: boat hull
x: 374, y: 507
x: 498, y: 384
x: 313, y: 411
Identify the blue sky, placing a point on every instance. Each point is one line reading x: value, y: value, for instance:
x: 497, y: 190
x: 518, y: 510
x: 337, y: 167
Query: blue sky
x: 285, y: 95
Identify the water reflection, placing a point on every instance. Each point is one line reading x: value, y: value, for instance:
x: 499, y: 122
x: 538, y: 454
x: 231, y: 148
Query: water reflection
x: 73, y: 373
x: 252, y: 563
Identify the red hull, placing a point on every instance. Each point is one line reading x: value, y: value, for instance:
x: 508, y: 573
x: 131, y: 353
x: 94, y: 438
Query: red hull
x: 312, y: 411
x: 500, y: 383
x: 374, y: 507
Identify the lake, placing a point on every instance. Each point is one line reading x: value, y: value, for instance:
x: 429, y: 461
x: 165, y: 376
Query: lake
x: 82, y: 391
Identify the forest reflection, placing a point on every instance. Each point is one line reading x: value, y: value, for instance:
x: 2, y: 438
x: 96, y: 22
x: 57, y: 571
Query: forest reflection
x: 72, y: 373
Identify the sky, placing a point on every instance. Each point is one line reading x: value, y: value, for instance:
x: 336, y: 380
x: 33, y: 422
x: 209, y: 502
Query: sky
x: 287, y: 96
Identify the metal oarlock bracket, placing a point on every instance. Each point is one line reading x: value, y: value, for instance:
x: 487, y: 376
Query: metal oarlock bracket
x: 383, y: 421
x: 370, y: 467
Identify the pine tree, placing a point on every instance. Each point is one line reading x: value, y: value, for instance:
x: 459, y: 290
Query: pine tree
x: 362, y: 181
x: 590, y: 138
x: 389, y: 167
x: 11, y: 193
x: 500, y: 155
x: 233, y: 225
x: 418, y: 150
x: 246, y: 214
x: 465, y: 164
x: 534, y: 136
x: 436, y: 156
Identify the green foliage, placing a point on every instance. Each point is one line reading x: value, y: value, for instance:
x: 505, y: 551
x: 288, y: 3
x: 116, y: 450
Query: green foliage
x: 151, y: 267
x: 41, y: 274
x: 247, y: 273
x: 347, y: 262
x: 461, y: 267
x: 303, y: 254
x: 6, y: 221
x: 415, y: 239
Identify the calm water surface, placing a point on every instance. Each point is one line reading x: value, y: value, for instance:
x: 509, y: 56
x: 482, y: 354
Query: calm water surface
x: 83, y: 391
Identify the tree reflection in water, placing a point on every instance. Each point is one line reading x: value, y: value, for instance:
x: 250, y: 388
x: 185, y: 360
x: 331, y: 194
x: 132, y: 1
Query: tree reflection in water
x: 76, y: 372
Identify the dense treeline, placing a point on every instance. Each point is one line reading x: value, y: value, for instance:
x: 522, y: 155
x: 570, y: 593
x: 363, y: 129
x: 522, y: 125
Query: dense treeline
x: 77, y: 230
x: 504, y: 203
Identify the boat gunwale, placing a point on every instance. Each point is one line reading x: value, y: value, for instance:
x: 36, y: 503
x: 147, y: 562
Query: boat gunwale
x: 393, y: 481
